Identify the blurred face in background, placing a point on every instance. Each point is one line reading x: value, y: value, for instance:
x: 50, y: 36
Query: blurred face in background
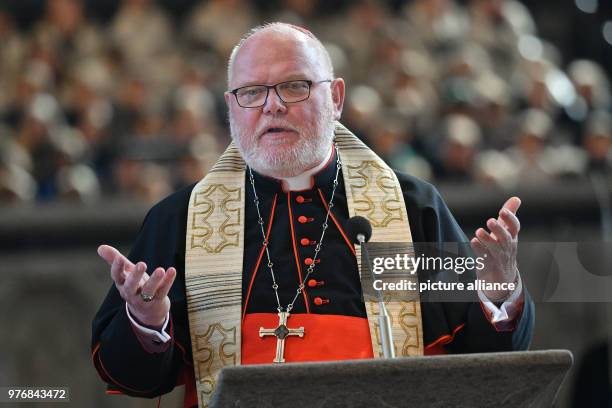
x: 67, y: 15
x: 282, y: 139
x: 598, y: 146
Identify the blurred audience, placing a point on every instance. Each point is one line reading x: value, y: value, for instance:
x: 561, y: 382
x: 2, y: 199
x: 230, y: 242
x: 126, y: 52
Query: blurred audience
x: 445, y: 90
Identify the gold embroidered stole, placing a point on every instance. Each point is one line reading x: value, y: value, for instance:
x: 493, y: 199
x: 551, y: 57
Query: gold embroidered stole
x: 215, y: 245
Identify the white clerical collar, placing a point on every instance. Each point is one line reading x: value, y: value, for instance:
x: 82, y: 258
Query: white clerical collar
x: 303, y: 181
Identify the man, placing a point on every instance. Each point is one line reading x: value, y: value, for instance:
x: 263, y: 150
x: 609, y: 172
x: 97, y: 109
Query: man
x: 252, y: 264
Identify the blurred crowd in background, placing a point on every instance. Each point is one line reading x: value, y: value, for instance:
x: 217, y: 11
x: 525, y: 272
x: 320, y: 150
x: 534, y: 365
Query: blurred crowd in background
x: 133, y: 106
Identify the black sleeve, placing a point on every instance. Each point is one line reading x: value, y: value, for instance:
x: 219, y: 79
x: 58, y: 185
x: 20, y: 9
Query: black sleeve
x: 117, y: 354
x: 464, y: 323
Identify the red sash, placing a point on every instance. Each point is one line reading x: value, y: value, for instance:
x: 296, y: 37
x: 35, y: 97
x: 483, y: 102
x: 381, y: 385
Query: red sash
x: 326, y: 337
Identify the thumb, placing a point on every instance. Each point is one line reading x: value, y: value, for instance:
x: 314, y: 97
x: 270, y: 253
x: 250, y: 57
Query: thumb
x: 108, y: 253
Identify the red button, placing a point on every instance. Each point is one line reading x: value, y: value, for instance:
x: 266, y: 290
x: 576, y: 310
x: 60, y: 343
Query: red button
x: 312, y: 283
x: 299, y: 199
x: 320, y: 301
x: 302, y: 219
x: 308, y: 261
x: 305, y: 241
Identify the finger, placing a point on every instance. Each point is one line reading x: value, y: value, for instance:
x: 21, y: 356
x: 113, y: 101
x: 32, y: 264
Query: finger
x: 133, y: 279
x: 117, y: 272
x: 152, y: 284
x: 488, y: 242
x: 501, y: 233
x: 145, y: 277
x: 512, y: 204
x: 484, y: 236
x: 166, y: 284
x: 479, y: 249
x: 511, y: 222
x: 108, y: 253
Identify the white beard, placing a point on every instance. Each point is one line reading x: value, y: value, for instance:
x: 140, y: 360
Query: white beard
x: 310, y: 150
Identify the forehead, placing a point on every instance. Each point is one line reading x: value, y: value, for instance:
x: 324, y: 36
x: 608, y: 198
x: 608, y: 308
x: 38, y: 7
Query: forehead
x: 273, y: 56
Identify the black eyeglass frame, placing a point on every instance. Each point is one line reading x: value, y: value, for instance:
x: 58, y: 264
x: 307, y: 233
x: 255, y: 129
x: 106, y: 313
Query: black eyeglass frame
x: 268, y: 87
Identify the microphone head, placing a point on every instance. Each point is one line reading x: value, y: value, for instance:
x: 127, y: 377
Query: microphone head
x: 359, y: 225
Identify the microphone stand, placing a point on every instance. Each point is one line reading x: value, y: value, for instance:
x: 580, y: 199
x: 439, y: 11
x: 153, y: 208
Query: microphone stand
x: 384, y: 323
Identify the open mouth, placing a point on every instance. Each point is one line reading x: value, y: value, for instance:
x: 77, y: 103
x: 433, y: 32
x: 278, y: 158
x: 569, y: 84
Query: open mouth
x: 276, y: 130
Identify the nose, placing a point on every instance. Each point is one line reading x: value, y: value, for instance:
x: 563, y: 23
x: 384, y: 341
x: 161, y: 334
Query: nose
x: 274, y: 104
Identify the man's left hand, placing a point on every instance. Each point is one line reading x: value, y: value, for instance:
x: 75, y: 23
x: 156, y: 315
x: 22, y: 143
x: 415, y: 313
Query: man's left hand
x: 498, y: 247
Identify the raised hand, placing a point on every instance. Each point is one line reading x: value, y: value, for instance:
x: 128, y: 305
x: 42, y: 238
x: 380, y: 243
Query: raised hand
x: 146, y: 296
x: 499, y: 247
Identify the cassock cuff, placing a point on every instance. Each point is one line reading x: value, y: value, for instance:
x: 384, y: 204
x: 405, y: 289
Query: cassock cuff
x: 153, y: 339
x: 508, y: 311
x: 127, y: 363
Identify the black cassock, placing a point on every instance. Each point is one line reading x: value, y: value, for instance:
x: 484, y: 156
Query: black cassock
x: 128, y: 367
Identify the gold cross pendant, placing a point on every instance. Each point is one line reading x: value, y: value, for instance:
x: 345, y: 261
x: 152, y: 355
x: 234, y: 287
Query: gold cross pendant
x: 281, y: 332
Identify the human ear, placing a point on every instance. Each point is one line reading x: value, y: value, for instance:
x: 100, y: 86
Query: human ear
x: 337, y: 90
x: 228, y: 99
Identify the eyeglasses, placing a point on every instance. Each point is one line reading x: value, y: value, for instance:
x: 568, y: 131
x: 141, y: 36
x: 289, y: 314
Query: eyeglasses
x: 255, y: 96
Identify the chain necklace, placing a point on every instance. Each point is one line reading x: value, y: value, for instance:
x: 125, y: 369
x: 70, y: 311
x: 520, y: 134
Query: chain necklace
x: 317, y: 248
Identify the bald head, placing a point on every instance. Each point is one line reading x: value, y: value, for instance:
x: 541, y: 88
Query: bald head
x: 272, y: 36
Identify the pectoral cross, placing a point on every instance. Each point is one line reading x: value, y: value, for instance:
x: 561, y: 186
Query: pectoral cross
x: 281, y: 332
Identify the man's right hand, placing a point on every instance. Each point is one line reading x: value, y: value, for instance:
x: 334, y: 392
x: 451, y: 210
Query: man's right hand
x: 132, y: 281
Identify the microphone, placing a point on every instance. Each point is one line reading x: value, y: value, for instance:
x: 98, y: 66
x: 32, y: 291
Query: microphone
x: 360, y: 231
